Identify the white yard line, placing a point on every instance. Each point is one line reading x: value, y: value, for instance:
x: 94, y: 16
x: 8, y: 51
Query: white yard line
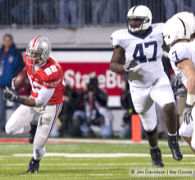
x: 98, y: 155
x: 103, y: 141
x: 96, y: 164
x: 97, y: 141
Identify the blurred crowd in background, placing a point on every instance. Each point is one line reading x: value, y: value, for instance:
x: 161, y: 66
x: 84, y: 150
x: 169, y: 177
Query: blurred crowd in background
x: 83, y: 111
x: 73, y: 13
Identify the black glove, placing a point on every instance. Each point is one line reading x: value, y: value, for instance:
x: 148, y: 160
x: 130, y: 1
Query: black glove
x: 8, y: 94
x: 131, y: 64
x: 177, y: 82
x: 187, y: 114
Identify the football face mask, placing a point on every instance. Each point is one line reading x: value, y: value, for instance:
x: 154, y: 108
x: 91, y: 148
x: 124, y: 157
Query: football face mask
x: 139, y: 18
x: 135, y: 23
x: 34, y: 58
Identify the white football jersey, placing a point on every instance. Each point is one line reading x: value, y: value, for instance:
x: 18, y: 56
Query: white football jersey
x: 147, y: 49
x: 179, y: 52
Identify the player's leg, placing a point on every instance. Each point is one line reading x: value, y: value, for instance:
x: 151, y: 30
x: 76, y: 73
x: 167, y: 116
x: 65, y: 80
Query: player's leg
x: 20, y: 120
x: 149, y: 121
x: 162, y: 94
x: 186, y: 132
x: 49, y: 114
x: 145, y: 107
x: 192, y: 131
x: 189, y: 140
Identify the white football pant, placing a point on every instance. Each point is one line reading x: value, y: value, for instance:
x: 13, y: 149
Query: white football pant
x: 20, y: 120
x: 187, y: 130
x: 144, y: 100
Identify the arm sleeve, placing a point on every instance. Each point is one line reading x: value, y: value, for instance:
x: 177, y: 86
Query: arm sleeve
x: 115, y: 38
x: 45, y: 95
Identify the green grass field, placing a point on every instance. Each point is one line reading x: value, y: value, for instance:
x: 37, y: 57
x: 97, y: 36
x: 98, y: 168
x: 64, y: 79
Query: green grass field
x: 82, y: 161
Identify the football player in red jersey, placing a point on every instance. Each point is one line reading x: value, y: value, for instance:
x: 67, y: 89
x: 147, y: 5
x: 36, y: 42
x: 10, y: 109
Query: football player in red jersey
x: 45, y: 102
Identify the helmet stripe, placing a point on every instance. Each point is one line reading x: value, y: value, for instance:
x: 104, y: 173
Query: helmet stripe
x: 183, y: 26
x: 35, y: 40
x: 134, y: 9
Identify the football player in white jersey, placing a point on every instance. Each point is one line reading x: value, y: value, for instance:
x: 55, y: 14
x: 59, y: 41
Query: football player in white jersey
x: 179, y: 35
x: 138, y: 51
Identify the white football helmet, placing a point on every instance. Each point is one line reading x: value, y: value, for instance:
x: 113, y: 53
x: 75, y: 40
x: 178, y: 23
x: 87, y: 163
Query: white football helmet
x: 38, y: 50
x: 140, y: 12
x: 188, y: 18
x: 175, y: 29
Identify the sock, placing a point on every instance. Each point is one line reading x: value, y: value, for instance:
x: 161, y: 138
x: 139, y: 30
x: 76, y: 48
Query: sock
x: 169, y: 134
x: 154, y: 147
x: 38, y: 153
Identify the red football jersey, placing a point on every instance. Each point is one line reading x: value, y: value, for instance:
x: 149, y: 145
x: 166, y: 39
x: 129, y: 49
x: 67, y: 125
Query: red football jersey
x: 50, y: 76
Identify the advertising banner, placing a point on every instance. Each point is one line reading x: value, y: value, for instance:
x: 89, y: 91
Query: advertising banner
x: 78, y: 66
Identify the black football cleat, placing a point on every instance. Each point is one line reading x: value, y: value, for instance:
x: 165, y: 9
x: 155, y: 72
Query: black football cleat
x: 32, y: 133
x: 156, y: 158
x: 33, y: 166
x: 174, y: 146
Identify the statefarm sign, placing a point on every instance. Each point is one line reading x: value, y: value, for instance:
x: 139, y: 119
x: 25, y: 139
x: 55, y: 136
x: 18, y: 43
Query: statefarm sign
x: 78, y: 67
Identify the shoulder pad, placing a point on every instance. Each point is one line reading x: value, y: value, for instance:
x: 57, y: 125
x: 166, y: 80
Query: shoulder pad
x: 117, y: 36
x: 179, y: 52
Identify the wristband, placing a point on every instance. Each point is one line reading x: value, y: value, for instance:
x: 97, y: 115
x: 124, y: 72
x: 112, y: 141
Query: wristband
x: 19, y: 100
x: 190, y: 99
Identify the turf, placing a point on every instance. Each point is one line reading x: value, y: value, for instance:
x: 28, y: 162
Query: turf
x: 80, y: 168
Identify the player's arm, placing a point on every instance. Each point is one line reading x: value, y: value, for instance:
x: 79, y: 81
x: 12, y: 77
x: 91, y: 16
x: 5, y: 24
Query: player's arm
x: 45, y: 95
x: 188, y: 69
x: 165, y: 47
x: 117, y: 61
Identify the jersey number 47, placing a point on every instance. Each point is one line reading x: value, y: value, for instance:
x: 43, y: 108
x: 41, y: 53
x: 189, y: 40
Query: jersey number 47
x: 139, y: 52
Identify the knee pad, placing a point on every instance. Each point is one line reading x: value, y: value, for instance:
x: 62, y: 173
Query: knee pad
x: 151, y: 133
x: 193, y: 141
x: 148, y: 127
x: 193, y: 145
x: 8, y: 129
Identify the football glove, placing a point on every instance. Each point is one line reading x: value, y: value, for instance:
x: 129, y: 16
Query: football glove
x: 8, y: 94
x: 177, y: 82
x: 129, y: 64
x: 187, y: 114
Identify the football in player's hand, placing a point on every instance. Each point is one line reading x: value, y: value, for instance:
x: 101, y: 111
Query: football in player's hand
x: 21, y: 81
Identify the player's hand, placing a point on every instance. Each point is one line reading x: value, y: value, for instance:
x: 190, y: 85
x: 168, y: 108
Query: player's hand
x: 8, y: 94
x: 177, y: 82
x: 129, y: 64
x: 187, y: 114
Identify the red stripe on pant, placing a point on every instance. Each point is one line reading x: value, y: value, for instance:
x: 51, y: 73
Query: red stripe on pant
x: 58, y: 110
